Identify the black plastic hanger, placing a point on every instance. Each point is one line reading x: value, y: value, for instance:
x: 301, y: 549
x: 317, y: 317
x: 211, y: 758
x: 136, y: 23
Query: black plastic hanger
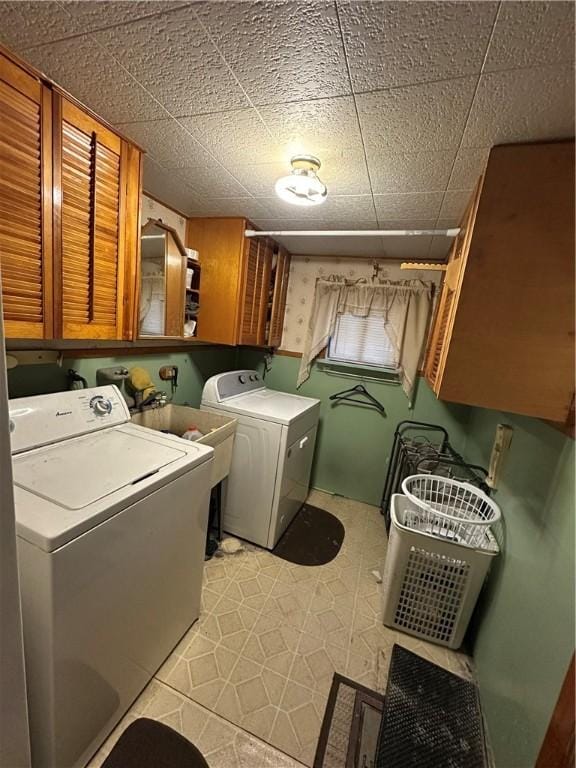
x: 348, y: 396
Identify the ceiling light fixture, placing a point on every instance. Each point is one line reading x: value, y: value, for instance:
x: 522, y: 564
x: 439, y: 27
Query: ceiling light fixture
x: 302, y: 186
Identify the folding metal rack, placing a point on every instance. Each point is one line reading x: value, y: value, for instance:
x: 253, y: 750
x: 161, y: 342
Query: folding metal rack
x: 422, y: 448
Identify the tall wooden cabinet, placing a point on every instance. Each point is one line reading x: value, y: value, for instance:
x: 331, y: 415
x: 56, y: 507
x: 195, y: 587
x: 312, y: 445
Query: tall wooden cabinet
x: 503, y: 337
x: 25, y: 202
x: 244, y: 283
x: 69, y: 215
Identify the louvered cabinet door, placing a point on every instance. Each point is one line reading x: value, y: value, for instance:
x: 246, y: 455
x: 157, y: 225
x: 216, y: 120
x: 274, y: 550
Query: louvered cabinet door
x: 448, y: 303
x: 91, y: 175
x: 279, y: 298
x: 439, y: 338
x: 255, y: 282
x: 25, y: 203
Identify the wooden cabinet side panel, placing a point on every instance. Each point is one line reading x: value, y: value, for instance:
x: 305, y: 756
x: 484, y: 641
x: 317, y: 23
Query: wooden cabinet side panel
x: 512, y: 343
x: 219, y: 243
x: 132, y: 243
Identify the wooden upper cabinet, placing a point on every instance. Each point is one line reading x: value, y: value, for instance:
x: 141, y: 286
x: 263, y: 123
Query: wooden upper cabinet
x: 241, y: 300
x: 25, y: 203
x: 90, y: 172
x: 503, y: 336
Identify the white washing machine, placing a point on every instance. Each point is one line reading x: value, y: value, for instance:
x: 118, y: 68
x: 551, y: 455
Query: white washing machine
x: 111, y: 523
x: 272, y: 457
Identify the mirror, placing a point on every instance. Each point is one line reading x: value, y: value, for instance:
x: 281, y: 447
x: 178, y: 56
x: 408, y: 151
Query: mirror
x: 162, y: 281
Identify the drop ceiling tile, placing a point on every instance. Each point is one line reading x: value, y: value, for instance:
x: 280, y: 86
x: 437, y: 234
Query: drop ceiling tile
x: 210, y: 180
x: 259, y: 179
x: 172, y: 56
x: 405, y: 248
x: 343, y: 173
x: 235, y: 137
x: 84, y: 69
x: 528, y: 34
x: 421, y: 118
x: 522, y: 105
x: 88, y: 16
x: 414, y: 223
x: 454, y: 204
x: 275, y: 225
x: 401, y: 43
x: 162, y: 185
x: 439, y: 248
x: 228, y: 206
x: 407, y: 207
x: 468, y: 167
x: 409, y: 171
x: 24, y: 24
x: 334, y: 246
x: 280, y: 50
x: 414, y: 248
x: 358, y: 207
x: 167, y: 142
x: 314, y: 127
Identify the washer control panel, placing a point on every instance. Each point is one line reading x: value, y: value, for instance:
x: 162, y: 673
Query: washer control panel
x: 44, y: 419
x: 102, y: 406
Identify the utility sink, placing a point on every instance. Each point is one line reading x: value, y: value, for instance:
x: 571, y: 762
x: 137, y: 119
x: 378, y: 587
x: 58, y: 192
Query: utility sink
x: 217, y: 431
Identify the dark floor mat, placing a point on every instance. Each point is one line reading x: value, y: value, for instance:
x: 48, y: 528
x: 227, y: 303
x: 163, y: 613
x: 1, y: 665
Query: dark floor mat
x: 350, y: 727
x: 149, y: 744
x: 431, y: 719
x: 314, y: 537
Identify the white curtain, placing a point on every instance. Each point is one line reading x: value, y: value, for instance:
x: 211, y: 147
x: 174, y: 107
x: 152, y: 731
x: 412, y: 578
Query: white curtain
x: 403, y: 305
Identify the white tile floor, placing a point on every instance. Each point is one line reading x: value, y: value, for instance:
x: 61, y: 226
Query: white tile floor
x: 252, y: 676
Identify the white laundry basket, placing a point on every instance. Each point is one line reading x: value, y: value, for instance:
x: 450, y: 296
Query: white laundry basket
x: 432, y: 576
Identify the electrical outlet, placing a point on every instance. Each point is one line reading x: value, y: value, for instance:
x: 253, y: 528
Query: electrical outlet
x: 168, y: 372
x: 502, y: 441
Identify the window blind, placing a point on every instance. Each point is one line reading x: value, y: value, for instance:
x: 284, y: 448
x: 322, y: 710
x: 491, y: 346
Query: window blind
x: 362, y: 340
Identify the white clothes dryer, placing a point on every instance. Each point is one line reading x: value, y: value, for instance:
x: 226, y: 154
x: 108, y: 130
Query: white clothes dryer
x: 272, y: 457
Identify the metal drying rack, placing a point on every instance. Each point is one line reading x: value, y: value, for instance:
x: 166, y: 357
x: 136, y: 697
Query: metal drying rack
x: 422, y: 448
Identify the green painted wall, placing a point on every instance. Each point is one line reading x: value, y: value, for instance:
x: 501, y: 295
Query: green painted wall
x: 524, y: 633
x: 353, y: 443
x: 193, y: 369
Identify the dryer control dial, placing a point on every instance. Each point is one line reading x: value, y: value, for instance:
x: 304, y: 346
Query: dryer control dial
x: 242, y: 379
x: 101, y: 405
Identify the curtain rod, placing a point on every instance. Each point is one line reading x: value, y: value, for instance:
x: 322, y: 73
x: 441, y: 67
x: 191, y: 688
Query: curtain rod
x: 353, y: 232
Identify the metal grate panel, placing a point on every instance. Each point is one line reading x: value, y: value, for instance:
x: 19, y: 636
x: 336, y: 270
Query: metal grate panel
x: 431, y: 719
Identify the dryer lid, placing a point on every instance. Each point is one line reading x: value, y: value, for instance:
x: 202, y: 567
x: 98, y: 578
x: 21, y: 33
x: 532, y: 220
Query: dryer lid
x: 76, y: 473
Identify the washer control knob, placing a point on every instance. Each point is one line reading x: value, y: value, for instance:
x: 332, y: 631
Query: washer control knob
x: 242, y: 379
x: 252, y: 378
x: 101, y: 405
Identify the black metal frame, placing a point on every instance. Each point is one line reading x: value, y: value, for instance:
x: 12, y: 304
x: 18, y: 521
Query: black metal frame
x: 422, y: 448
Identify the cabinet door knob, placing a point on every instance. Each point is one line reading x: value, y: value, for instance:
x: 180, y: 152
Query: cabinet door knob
x: 303, y: 441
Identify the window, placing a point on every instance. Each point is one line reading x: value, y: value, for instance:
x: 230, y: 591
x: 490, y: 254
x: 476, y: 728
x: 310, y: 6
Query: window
x: 362, y: 341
